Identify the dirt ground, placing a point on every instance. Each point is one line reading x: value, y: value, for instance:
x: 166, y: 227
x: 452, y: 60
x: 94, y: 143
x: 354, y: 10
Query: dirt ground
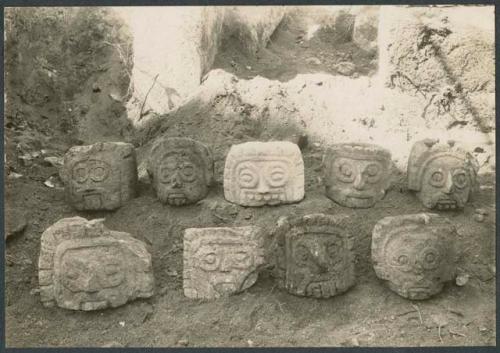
x: 369, y: 314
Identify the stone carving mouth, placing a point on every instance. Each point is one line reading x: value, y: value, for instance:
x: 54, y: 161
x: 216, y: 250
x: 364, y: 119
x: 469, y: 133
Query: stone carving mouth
x: 446, y: 204
x: 418, y: 292
x: 269, y: 196
x: 93, y: 304
x: 176, y: 199
x: 226, y: 287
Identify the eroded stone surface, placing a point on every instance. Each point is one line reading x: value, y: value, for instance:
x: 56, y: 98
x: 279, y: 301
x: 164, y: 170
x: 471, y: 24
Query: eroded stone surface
x: 181, y: 170
x: 264, y: 173
x: 444, y: 175
x: 414, y: 253
x: 85, y: 266
x: 221, y: 261
x: 314, y: 255
x: 102, y: 176
x: 357, y: 174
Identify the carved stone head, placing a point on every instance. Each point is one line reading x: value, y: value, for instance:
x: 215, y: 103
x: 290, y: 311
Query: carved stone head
x: 181, y: 170
x: 357, y: 174
x: 264, y: 173
x: 102, y: 176
x: 221, y: 261
x: 84, y: 266
x: 314, y: 255
x: 444, y: 175
x: 414, y: 253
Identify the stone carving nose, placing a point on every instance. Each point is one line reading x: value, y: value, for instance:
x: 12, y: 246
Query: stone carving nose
x: 91, y: 284
x: 359, y: 182
x: 448, y: 187
x: 262, y: 187
x: 225, y: 265
x: 176, y: 180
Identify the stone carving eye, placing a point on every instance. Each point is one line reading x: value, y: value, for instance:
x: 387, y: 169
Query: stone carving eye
x: 277, y: 175
x: 242, y: 260
x: 248, y: 177
x: 402, y: 261
x: 460, y: 179
x: 429, y: 258
x: 332, y: 250
x: 301, y: 255
x: 210, y: 261
x: 437, y: 178
x: 112, y: 275
x: 374, y: 172
x: 80, y: 173
x: 346, y: 171
x: 188, y: 172
x: 98, y: 173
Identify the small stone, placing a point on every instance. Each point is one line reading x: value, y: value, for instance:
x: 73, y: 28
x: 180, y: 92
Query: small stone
x: 355, y: 342
x: 122, y: 323
x: 479, y: 150
x: 478, y: 218
x: 250, y: 343
x: 54, y: 161
x: 96, y: 88
x: 14, y: 175
x: 183, y: 343
x: 313, y: 60
x: 35, y: 291
x: 462, y: 280
x: 345, y: 68
x: 481, y: 211
x: 248, y: 67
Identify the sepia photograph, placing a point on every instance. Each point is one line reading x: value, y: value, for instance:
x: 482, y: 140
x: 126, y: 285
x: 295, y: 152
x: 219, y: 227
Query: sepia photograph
x: 249, y: 176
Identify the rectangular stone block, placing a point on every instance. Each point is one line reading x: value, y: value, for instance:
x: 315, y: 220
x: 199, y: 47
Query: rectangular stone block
x: 102, y: 176
x: 313, y: 255
x: 264, y: 173
x: 93, y: 267
x: 414, y: 253
x: 221, y: 261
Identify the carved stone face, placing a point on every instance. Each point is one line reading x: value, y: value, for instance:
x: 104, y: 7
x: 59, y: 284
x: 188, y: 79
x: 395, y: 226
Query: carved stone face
x: 417, y: 262
x: 181, y: 170
x: 356, y: 179
x: 224, y: 261
x: 446, y: 184
x: 414, y: 253
x: 443, y: 174
x: 313, y: 255
x: 84, y: 266
x: 180, y: 179
x: 315, y: 264
x: 101, y: 176
x: 264, y: 173
x: 92, y: 277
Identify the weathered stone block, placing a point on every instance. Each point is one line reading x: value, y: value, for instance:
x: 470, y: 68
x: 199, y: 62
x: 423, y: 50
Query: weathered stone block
x: 221, y: 261
x: 357, y: 174
x: 414, y: 253
x: 85, y: 266
x: 313, y: 255
x: 264, y: 173
x: 444, y: 175
x: 102, y: 176
x: 181, y: 170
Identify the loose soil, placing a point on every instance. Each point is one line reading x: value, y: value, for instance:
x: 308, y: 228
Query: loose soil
x: 367, y: 315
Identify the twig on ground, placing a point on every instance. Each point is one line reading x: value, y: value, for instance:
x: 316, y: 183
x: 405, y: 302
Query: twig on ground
x: 419, y: 314
x: 146, y: 97
x: 456, y: 333
x: 439, y: 333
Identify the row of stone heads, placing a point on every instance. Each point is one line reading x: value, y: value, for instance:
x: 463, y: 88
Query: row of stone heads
x: 85, y: 266
x: 103, y: 176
